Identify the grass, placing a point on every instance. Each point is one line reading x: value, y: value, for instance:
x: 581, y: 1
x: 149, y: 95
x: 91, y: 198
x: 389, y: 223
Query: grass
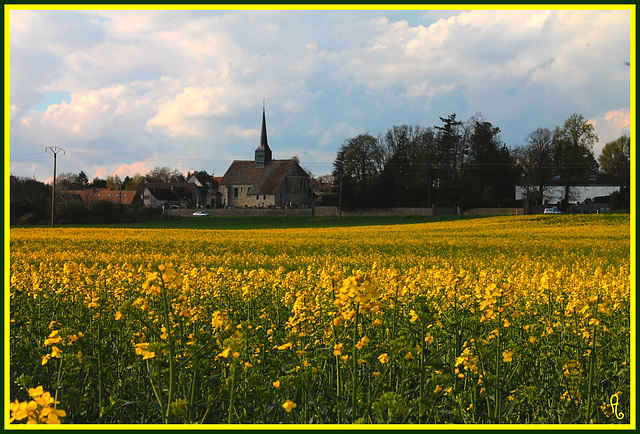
x: 268, y: 222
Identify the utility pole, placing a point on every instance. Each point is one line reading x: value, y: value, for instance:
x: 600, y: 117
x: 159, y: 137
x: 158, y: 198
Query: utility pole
x: 340, y: 202
x: 55, y: 150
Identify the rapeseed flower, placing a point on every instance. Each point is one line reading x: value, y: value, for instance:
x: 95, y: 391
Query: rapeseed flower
x: 289, y: 405
x: 507, y: 356
x: 383, y: 358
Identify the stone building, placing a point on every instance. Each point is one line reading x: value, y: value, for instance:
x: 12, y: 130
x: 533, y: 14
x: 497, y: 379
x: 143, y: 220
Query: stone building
x: 264, y: 182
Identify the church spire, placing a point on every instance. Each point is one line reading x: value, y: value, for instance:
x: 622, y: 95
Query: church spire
x: 263, y: 153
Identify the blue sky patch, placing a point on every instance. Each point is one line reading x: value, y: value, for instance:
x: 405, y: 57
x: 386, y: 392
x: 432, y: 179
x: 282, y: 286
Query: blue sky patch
x: 51, y: 97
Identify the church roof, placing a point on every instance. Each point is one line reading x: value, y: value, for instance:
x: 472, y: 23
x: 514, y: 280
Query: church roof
x: 264, y: 180
x: 263, y: 135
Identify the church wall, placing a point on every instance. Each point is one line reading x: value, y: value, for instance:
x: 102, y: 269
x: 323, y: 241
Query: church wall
x: 245, y: 198
x: 259, y: 200
x: 229, y: 198
x: 297, y: 190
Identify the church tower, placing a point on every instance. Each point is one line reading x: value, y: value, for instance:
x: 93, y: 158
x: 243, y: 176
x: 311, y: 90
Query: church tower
x: 263, y: 153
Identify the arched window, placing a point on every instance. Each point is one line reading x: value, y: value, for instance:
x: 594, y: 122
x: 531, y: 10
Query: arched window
x: 235, y: 192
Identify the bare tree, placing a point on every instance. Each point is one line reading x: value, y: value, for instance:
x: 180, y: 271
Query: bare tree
x: 164, y: 174
x: 536, y: 159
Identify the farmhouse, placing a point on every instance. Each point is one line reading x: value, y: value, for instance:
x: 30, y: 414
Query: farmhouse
x: 264, y: 182
x: 199, y: 191
x: 90, y: 195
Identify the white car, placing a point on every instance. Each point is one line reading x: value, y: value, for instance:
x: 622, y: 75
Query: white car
x: 201, y: 214
x: 552, y: 211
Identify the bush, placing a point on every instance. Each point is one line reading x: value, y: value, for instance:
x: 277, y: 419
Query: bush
x: 27, y: 219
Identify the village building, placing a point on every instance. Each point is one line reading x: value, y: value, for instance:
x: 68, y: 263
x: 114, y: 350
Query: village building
x: 264, y: 182
x: 88, y: 196
x: 198, y: 191
x: 585, y: 188
x: 160, y: 194
x: 206, y: 188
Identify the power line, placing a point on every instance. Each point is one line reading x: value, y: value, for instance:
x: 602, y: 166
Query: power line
x: 162, y: 158
x: 26, y: 155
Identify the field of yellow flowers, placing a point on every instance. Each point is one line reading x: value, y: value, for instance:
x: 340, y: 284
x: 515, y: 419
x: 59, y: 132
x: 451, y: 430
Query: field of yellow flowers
x: 515, y: 319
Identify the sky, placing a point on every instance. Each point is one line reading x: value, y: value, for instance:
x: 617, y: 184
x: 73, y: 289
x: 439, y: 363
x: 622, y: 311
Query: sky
x: 124, y: 91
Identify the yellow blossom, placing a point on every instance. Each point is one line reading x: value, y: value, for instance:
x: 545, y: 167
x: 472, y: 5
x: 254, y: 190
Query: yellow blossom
x: 289, y: 405
x: 37, y: 391
x: 337, y: 349
x: 409, y: 356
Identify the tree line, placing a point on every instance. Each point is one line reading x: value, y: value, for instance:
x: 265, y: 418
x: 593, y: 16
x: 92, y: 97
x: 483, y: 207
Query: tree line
x: 30, y: 200
x: 461, y: 162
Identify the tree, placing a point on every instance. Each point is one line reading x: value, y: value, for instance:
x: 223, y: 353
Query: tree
x: 451, y: 150
x: 489, y: 162
x: 69, y: 181
x: 616, y: 157
x: 357, y: 165
x: 82, y: 179
x: 164, y: 174
x: 131, y: 183
x: 536, y: 162
x: 409, y: 154
x: 98, y: 183
x: 573, y: 151
x: 30, y: 200
x: 114, y: 182
x: 199, y: 173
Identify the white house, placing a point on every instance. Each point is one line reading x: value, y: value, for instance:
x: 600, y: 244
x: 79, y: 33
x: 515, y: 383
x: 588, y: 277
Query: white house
x: 583, y: 188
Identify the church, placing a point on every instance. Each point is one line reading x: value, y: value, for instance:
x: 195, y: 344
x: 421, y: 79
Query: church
x: 264, y: 182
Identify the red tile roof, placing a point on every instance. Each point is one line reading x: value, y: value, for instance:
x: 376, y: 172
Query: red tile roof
x: 88, y: 195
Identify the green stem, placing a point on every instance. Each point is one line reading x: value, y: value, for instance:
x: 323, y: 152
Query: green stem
x: 354, y: 375
x: 191, y: 394
x: 421, y: 385
x: 172, y: 370
x: 233, y: 390
x: 592, y: 367
x: 497, y: 389
x: 59, y: 380
x: 100, y: 408
x: 155, y: 392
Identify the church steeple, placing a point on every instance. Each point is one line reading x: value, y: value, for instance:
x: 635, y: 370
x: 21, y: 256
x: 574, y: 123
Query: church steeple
x: 263, y: 153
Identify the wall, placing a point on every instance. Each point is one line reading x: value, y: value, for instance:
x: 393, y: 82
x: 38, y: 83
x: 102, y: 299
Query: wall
x: 246, y: 212
x: 296, y: 191
x: 333, y: 211
x: 494, y: 211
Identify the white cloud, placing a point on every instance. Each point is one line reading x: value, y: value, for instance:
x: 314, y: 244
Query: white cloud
x: 123, y: 170
x: 190, y: 83
x: 174, y: 116
x: 87, y: 115
x: 611, y: 126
